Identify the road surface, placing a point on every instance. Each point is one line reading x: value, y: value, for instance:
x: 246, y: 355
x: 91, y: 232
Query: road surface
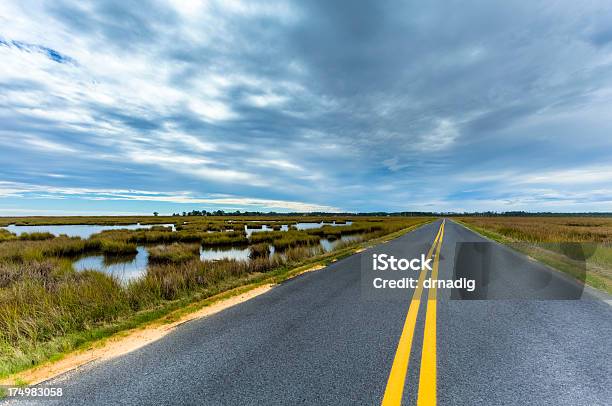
x: 322, y: 338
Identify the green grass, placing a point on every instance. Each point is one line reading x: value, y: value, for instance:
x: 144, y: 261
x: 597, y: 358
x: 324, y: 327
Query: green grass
x: 36, y: 236
x: 569, y: 266
x: 161, y: 228
x: 268, y: 236
x: 47, y: 309
x: 19, y: 250
x: 547, y: 229
x: 259, y: 251
x: 225, y: 239
x: 355, y: 228
x: 117, y: 248
x: 294, y: 239
x: 173, y: 254
x: 6, y: 235
x: 92, y: 220
x: 598, y: 265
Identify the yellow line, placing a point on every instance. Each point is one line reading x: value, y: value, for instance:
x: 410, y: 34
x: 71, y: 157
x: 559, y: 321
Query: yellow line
x: 397, y: 376
x: 428, y: 373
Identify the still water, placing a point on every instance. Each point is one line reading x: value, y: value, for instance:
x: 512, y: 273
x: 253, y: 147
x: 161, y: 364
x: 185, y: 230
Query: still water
x: 211, y: 254
x: 299, y: 226
x: 87, y: 230
x: 77, y: 230
x: 125, y: 268
x: 132, y: 267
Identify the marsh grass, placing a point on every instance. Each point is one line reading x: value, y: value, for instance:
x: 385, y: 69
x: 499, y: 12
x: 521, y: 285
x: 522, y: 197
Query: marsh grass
x: 161, y: 228
x: 259, y: 251
x: 292, y: 240
x: 6, y: 235
x: 565, y: 243
x: 347, y: 244
x: 89, y: 220
x: 45, y: 301
x: 62, y: 246
x: 268, y: 236
x: 203, y: 226
x: 109, y: 260
x: 547, y: 229
x: 36, y: 236
x: 225, y: 238
x: 117, y: 248
x: 296, y: 253
x: 46, y: 307
x: 185, y: 235
x: 41, y: 302
x: 158, y: 237
x: 173, y: 254
x: 57, y: 247
x: 355, y: 228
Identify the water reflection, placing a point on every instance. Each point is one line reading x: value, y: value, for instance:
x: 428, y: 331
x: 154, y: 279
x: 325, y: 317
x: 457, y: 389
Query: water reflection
x: 211, y: 254
x: 306, y: 226
x: 299, y: 226
x: 331, y: 245
x: 264, y: 227
x: 78, y: 230
x: 87, y: 230
x: 125, y: 268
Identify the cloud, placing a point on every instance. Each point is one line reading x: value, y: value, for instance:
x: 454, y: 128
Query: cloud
x: 47, y: 145
x: 48, y: 52
x: 12, y: 189
x: 285, y: 101
x: 572, y: 176
x: 440, y: 137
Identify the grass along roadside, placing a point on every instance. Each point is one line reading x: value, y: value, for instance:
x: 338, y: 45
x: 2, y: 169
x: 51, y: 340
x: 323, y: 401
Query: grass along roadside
x: 46, y: 354
x: 45, y: 298
x: 598, y: 266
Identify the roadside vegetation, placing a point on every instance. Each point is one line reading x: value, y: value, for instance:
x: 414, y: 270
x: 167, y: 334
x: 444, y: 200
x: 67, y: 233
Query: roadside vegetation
x: 564, y: 243
x: 48, y: 308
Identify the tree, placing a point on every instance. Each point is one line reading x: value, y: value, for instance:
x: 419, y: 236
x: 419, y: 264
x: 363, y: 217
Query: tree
x: 155, y: 213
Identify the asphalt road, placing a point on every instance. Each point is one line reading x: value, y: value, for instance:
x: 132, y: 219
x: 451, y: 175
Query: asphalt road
x: 326, y: 338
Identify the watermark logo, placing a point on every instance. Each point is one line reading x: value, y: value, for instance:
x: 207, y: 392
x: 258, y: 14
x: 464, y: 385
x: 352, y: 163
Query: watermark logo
x: 478, y: 271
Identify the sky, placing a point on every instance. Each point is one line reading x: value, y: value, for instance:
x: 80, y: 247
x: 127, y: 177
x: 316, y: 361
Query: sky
x: 130, y: 107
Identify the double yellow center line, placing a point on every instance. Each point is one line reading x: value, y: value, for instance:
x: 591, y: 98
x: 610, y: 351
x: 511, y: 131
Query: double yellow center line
x: 427, y: 380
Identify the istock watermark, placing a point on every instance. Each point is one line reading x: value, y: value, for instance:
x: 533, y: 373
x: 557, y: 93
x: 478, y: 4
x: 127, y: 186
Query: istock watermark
x: 388, y: 274
x: 480, y: 270
x: 383, y: 262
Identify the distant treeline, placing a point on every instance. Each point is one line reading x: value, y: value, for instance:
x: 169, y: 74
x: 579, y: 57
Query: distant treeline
x: 533, y: 214
x: 401, y: 214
